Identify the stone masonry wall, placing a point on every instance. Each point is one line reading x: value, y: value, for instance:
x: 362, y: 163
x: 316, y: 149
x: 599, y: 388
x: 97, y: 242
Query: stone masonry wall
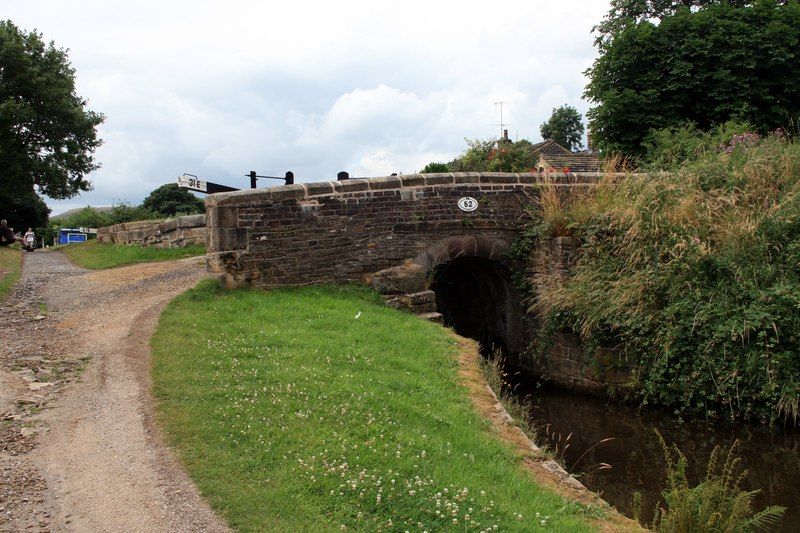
x: 345, y: 230
x: 568, y: 363
x: 174, y: 233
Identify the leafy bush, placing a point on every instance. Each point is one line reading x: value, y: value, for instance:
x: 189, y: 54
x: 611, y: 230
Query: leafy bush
x: 170, y: 200
x: 434, y: 167
x: 695, y: 274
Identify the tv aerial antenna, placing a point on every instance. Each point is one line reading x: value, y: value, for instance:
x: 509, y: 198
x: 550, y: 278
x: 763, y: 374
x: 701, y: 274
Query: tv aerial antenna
x: 502, y: 124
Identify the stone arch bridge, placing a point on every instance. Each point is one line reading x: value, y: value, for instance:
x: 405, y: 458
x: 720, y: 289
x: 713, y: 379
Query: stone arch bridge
x: 409, y: 237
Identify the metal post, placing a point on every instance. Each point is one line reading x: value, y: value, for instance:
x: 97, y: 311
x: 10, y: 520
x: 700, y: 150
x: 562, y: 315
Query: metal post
x: 289, y: 178
x: 342, y: 176
x: 252, y: 179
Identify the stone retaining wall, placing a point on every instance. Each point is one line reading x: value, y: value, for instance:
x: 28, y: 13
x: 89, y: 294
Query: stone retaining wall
x: 173, y: 233
x: 567, y: 362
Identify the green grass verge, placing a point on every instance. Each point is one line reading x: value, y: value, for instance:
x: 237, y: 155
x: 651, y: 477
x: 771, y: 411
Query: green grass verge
x: 10, y: 266
x: 96, y: 256
x: 319, y: 409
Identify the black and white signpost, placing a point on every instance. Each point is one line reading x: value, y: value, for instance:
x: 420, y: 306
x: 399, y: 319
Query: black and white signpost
x: 193, y: 183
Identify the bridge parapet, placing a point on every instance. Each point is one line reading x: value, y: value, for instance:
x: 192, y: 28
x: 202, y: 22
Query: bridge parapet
x: 342, y: 231
x: 300, y: 191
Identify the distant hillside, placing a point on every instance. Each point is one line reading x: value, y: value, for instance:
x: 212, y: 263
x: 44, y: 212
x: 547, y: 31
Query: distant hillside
x: 75, y: 211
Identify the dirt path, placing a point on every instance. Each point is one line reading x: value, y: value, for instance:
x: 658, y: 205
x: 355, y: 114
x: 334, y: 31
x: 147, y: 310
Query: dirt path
x: 78, y: 448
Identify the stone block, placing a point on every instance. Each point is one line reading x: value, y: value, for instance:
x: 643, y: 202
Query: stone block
x: 400, y: 280
x: 389, y: 182
x: 240, y: 198
x: 397, y: 303
x: 224, y: 239
x: 191, y: 221
x: 220, y: 262
x: 168, y: 226
x: 222, y: 217
x: 467, y: 177
x: 354, y: 185
x: 531, y: 178
x: 499, y: 177
x: 422, y: 297
x: 287, y: 192
x: 320, y: 188
x: 412, y: 180
x: 438, y: 179
x: 433, y: 317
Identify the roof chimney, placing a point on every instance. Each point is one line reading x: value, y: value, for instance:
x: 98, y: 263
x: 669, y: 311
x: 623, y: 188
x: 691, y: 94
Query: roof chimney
x: 505, y: 135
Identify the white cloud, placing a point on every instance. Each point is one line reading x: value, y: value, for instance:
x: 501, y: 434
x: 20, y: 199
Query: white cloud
x: 315, y: 87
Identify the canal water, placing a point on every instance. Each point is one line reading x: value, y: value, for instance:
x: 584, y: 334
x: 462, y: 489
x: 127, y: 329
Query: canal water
x: 635, y: 456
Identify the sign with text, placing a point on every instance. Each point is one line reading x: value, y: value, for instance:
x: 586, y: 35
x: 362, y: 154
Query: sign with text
x: 468, y: 204
x: 192, y: 182
x: 188, y: 181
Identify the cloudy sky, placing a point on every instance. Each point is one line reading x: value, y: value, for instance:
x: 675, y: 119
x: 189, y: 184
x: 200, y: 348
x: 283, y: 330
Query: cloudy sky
x: 219, y: 88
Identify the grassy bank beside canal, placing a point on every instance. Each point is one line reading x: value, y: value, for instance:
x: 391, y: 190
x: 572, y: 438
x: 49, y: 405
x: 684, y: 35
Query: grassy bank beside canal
x: 10, y: 266
x: 320, y: 409
x: 692, y: 273
x: 94, y: 255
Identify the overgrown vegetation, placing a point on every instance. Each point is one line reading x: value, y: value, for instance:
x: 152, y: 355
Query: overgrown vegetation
x: 320, y: 409
x: 491, y: 155
x: 10, y: 265
x: 718, y: 504
x: 693, y: 273
x: 96, y: 256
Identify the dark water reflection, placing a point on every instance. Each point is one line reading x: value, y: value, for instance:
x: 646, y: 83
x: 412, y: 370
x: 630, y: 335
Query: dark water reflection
x: 772, y: 455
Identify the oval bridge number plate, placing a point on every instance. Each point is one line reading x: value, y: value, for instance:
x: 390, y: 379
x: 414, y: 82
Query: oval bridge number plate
x: 468, y: 204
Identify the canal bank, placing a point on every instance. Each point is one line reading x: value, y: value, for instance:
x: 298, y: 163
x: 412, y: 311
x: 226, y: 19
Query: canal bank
x: 589, y: 432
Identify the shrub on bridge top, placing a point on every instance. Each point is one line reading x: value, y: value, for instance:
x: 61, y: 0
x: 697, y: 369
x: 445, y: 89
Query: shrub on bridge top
x: 695, y: 275
x: 491, y: 155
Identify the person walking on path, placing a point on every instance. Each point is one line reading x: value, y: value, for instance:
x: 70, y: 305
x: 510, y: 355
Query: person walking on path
x: 30, y: 238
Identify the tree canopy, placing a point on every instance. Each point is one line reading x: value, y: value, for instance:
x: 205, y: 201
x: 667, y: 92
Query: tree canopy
x: 24, y: 209
x: 625, y: 13
x: 47, y: 135
x: 663, y: 64
x: 170, y: 200
x: 564, y: 127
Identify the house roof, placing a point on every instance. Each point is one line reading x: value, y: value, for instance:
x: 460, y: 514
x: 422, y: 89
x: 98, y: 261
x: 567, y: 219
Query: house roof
x: 556, y: 156
x: 549, y: 146
x: 574, y: 162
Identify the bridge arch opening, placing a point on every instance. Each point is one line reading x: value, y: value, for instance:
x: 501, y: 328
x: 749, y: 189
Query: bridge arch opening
x: 472, y: 278
x: 477, y: 298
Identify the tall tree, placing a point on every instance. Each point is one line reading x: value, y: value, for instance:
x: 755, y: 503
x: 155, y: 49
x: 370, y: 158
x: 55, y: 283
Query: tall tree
x: 47, y: 136
x: 663, y: 64
x: 564, y: 127
x: 170, y: 200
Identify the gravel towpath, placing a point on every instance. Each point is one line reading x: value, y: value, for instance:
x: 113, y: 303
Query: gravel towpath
x: 79, y: 450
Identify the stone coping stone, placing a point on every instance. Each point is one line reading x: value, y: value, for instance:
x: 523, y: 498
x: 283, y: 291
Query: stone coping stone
x: 187, y: 221
x: 299, y: 191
